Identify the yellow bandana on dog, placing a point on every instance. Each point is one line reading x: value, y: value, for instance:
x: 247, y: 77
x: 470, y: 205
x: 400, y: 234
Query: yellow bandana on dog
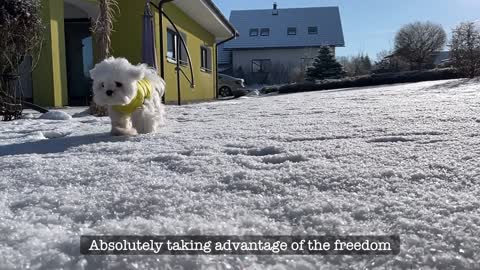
x: 144, y: 91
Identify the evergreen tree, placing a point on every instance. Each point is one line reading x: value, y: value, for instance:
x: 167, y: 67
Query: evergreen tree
x: 325, y: 66
x: 367, y: 64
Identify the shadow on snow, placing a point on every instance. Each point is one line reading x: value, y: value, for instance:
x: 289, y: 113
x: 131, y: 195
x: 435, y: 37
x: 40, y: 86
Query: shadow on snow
x: 58, y: 145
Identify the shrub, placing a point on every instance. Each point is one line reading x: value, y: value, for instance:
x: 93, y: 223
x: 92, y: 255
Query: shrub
x: 21, y: 28
x: 21, y: 35
x: 269, y: 89
x: 373, y: 80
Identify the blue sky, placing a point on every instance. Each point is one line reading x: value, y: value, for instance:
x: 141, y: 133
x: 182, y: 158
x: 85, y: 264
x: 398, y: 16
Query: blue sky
x: 369, y: 26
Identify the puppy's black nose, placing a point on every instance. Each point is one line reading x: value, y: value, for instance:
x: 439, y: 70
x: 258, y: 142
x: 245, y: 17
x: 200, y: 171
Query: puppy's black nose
x: 109, y: 93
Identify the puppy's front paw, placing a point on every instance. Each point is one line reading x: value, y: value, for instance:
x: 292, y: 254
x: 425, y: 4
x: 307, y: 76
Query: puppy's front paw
x: 118, y: 131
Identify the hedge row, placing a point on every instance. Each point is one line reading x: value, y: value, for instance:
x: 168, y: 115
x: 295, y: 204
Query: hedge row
x: 373, y: 80
x: 269, y: 89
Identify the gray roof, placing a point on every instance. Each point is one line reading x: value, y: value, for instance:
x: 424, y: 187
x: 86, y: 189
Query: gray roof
x: 327, y: 19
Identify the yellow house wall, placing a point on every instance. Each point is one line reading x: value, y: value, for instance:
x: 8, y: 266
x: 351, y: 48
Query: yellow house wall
x: 205, y: 83
x: 127, y: 35
x: 50, y: 75
x: 127, y: 42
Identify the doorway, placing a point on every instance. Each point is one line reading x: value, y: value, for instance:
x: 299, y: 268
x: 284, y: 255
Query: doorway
x: 79, y: 56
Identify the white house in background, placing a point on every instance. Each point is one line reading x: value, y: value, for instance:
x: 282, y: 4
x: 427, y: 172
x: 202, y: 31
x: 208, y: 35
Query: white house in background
x: 441, y: 59
x: 277, y: 45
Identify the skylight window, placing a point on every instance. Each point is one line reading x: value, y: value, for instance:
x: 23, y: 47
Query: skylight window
x: 312, y: 30
x: 292, y: 31
x: 265, y: 32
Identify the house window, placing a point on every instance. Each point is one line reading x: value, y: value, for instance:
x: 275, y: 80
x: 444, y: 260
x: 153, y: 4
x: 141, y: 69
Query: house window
x: 173, y: 41
x: 261, y: 65
x: 171, y: 45
x: 312, y: 30
x: 265, y: 32
x: 182, y: 54
x: 292, y: 31
x: 206, y: 58
x: 254, y: 32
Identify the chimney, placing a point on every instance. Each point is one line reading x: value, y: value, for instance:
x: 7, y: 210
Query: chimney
x: 275, y: 10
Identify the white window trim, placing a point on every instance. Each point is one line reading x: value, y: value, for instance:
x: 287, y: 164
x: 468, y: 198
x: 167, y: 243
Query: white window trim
x: 208, y: 50
x: 173, y: 60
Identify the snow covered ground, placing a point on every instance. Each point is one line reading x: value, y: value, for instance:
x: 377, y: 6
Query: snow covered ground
x: 400, y: 159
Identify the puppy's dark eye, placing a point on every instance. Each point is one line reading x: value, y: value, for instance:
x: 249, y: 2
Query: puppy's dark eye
x: 103, y: 85
x: 118, y: 84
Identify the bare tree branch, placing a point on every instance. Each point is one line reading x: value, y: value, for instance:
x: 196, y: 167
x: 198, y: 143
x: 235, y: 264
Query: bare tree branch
x: 102, y: 30
x: 465, y: 49
x: 416, y: 42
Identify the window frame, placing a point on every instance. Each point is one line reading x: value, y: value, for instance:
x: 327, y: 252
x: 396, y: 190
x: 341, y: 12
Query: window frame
x: 312, y: 32
x: 254, y: 30
x: 263, y: 68
x: 181, y: 55
x: 206, y: 59
x: 173, y: 35
x: 289, y: 33
x: 265, y: 30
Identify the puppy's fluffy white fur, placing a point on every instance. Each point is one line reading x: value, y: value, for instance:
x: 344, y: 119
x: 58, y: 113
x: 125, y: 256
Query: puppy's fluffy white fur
x: 117, y: 75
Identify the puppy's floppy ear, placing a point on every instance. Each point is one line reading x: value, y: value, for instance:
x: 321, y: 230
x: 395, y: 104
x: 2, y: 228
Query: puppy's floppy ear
x: 93, y: 72
x: 136, y: 73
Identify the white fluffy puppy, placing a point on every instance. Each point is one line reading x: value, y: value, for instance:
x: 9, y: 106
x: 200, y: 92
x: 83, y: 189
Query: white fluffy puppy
x: 133, y: 95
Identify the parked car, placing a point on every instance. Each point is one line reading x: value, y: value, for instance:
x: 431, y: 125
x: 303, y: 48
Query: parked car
x: 230, y: 86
